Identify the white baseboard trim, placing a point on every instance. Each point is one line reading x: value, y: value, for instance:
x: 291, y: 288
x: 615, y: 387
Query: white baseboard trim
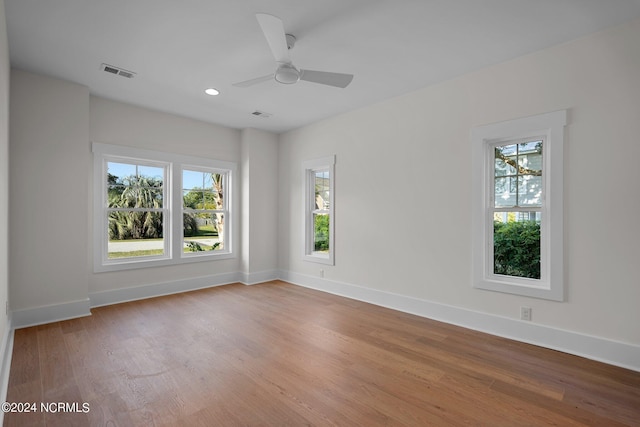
x: 57, y: 312
x: 260, y: 277
x: 601, y: 349
x: 6, y: 352
x: 50, y: 313
x: 117, y: 296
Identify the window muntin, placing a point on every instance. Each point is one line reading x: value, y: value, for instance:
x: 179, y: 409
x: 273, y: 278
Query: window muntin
x: 143, y: 188
x: 319, y: 218
x: 204, y: 208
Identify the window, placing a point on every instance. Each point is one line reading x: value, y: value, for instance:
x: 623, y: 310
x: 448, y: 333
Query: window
x: 319, y: 219
x: 135, y: 209
x: 204, y: 209
x: 517, y: 206
x: 153, y: 208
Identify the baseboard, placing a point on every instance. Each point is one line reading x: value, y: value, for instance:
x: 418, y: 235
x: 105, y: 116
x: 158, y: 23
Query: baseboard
x: 53, y: 313
x: 596, y: 348
x: 117, y: 296
x: 6, y: 352
x: 50, y: 313
x: 260, y: 277
x: 601, y: 349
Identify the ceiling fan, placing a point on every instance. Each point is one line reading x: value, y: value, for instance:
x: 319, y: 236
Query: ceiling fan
x: 287, y: 73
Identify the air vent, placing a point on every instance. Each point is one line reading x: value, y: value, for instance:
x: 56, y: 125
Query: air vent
x: 117, y: 71
x: 262, y: 114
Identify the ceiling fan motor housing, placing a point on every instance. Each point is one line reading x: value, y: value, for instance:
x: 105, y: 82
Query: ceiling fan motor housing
x: 287, y: 74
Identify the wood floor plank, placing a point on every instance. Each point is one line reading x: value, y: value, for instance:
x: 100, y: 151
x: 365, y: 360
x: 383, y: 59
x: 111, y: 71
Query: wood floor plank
x: 25, y: 367
x: 279, y: 354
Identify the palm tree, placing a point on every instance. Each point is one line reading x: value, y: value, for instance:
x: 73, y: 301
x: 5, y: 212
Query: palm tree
x: 218, y: 184
x: 135, y: 192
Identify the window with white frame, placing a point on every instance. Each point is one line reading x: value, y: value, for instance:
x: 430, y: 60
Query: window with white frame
x: 319, y: 218
x: 204, y: 209
x: 153, y: 208
x: 518, y: 206
x: 136, y: 209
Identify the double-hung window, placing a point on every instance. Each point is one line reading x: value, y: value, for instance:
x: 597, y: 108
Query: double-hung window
x: 517, y: 206
x: 136, y: 209
x: 204, y: 209
x: 153, y: 208
x: 319, y: 218
x: 516, y: 198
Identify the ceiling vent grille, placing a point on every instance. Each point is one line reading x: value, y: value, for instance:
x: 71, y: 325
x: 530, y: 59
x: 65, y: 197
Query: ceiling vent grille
x: 117, y: 71
x: 262, y: 114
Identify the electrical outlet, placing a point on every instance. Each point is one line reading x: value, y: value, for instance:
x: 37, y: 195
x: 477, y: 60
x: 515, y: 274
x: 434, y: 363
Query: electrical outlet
x: 321, y: 273
x: 525, y: 313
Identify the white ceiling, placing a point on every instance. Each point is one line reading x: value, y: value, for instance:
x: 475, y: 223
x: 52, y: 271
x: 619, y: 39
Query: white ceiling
x: 178, y: 48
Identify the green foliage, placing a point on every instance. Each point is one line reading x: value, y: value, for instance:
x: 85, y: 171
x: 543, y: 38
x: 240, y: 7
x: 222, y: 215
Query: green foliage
x: 207, y: 230
x: 197, y: 247
x: 321, y: 233
x: 146, y: 192
x: 517, y: 249
x: 129, y: 254
x: 190, y: 225
x: 199, y: 223
x: 135, y: 192
x: 135, y: 225
x: 194, y: 247
x: 200, y: 199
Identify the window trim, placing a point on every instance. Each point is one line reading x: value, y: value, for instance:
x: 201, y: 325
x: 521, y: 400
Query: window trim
x: 483, y: 138
x: 173, y: 203
x: 310, y: 167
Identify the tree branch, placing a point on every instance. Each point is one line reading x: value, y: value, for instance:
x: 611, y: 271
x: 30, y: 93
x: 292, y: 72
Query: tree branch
x: 521, y: 169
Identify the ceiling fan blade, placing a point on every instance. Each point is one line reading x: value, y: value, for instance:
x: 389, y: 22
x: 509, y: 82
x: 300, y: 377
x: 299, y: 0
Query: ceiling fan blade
x: 252, y: 82
x: 326, y: 78
x: 273, y: 30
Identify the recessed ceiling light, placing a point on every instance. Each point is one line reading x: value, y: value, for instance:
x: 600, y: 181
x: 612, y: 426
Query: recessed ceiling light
x: 211, y: 91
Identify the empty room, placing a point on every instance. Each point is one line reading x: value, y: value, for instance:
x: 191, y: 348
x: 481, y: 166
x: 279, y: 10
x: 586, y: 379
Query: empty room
x: 341, y: 213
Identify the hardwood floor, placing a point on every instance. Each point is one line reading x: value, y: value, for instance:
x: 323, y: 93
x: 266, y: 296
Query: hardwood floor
x: 277, y: 354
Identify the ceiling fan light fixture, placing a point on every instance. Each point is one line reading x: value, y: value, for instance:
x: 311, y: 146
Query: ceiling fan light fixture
x: 287, y: 74
x: 212, y: 91
x: 280, y: 42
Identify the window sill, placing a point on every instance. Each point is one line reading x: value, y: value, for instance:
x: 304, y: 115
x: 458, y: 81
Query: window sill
x: 160, y: 262
x: 524, y: 287
x: 320, y: 259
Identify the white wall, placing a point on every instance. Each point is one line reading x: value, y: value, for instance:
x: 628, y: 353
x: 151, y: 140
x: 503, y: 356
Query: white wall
x: 49, y: 169
x: 403, y: 188
x: 4, y: 199
x: 4, y: 165
x: 259, y: 155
